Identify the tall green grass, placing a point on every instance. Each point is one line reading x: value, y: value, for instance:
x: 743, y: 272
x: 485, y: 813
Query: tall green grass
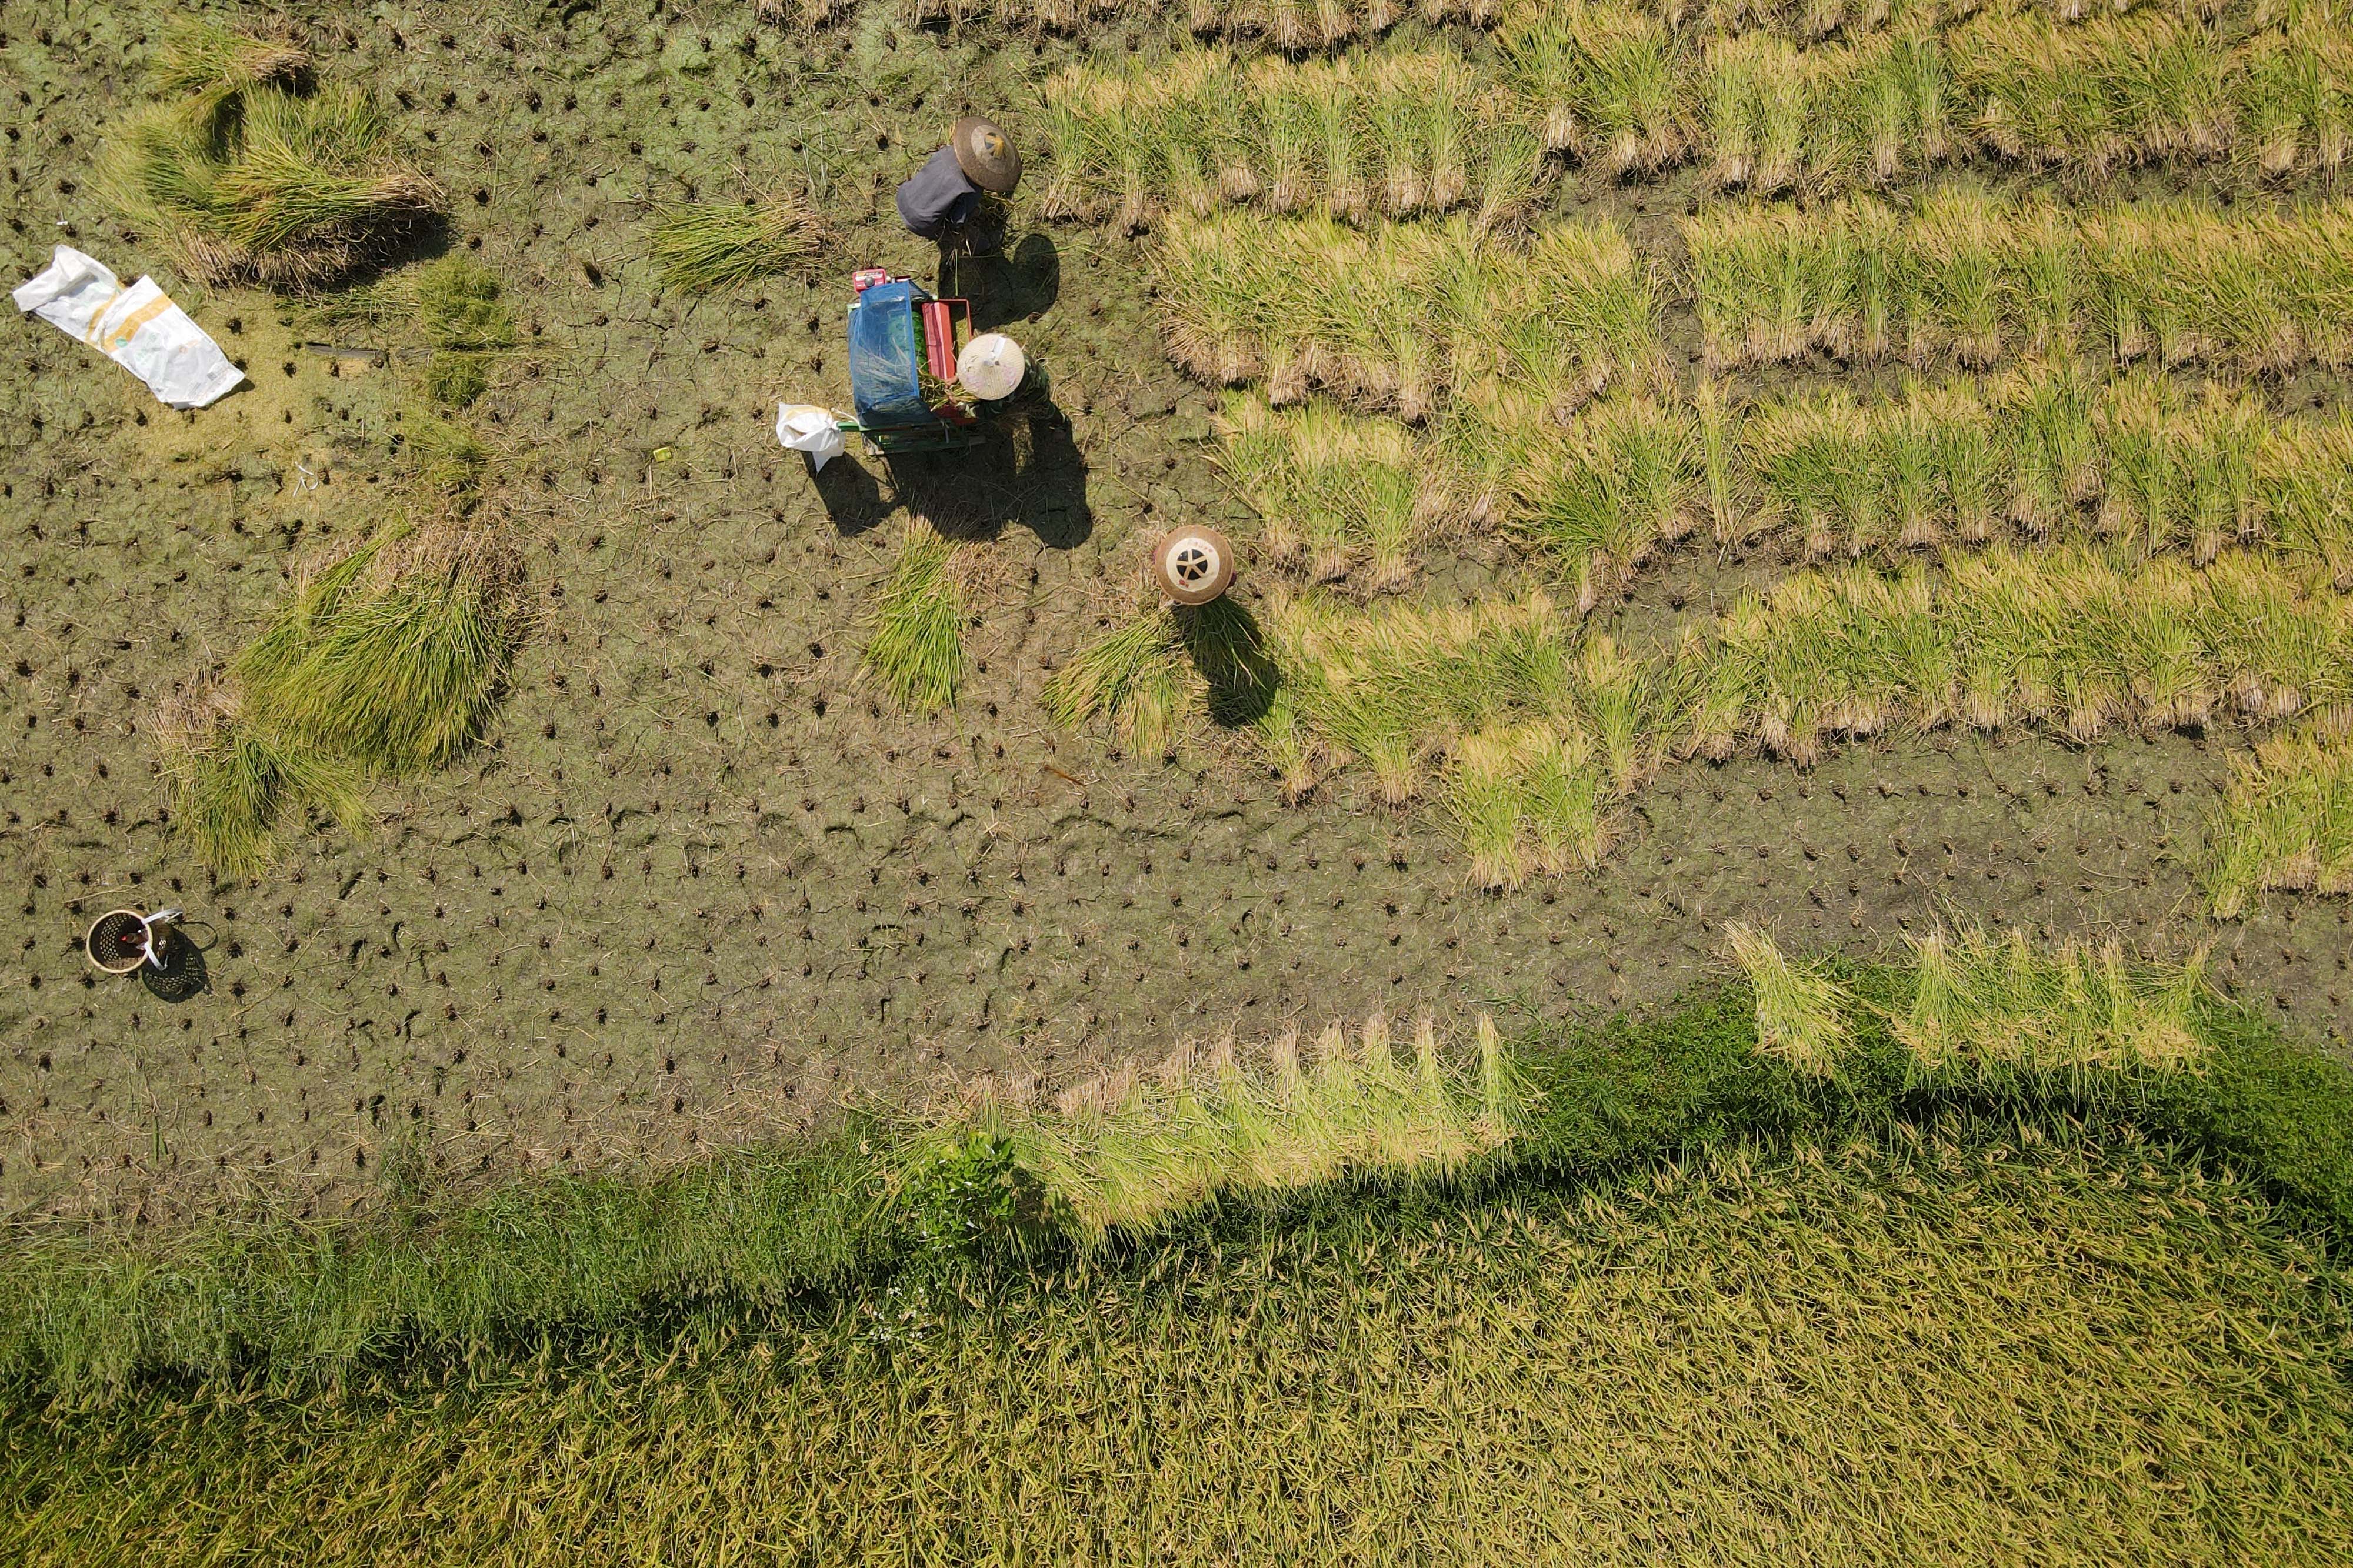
x: 701, y: 245
x: 439, y: 1282
x: 916, y: 648
x: 1742, y: 1357
x: 250, y: 174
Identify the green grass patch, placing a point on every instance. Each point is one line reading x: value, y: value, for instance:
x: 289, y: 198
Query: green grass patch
x: 1361, y: 1119
x: 2087, y: 1354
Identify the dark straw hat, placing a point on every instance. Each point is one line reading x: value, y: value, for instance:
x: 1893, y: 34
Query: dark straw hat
x: 983, y: 154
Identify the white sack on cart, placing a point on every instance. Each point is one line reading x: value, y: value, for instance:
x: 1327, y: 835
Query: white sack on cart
x: 806, y: 427
x: 138, y: 327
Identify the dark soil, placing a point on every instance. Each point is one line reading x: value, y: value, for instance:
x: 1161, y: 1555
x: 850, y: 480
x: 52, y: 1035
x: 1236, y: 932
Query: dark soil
x: 703, y: 882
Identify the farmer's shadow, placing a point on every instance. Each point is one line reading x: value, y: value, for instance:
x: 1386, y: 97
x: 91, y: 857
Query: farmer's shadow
x: 1229, y: 652
x: 1012, y: 286
x: 851, y: 497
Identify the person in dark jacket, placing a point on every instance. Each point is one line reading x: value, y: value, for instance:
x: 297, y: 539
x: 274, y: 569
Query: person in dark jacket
x: 941, y: 200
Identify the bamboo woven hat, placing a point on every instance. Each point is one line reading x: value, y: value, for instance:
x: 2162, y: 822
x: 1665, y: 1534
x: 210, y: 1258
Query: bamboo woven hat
x: 985, y: 154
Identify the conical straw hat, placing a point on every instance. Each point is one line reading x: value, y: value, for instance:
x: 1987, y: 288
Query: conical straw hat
x: 985, y: 154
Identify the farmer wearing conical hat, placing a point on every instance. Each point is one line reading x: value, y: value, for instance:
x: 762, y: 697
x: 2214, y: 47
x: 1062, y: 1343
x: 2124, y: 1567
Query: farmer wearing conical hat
x: 945, y: 199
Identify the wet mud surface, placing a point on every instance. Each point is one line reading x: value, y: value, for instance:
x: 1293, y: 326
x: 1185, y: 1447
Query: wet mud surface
x: 705, y: 882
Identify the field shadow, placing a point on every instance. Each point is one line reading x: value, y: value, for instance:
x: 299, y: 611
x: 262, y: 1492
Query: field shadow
x: 1026, y: 471
x: 1017, y: 286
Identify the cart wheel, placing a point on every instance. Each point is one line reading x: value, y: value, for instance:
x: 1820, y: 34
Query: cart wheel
x: 1193, y: 565
x: 117, y: 942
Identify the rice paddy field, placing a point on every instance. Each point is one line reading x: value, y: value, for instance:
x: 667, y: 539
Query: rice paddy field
x: 1733, y: 946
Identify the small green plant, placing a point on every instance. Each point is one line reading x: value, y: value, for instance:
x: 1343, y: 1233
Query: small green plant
x: 711, y: 244
x: 460, y: 312
x: 917, y: 646
x: 455, y: 380
x: 972, y: 1201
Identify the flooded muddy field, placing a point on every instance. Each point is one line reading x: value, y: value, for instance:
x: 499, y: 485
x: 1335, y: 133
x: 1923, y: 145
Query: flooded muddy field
x: 705, y: 882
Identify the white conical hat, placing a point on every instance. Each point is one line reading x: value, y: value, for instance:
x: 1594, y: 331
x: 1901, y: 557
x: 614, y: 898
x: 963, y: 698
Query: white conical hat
x: 992, y: 366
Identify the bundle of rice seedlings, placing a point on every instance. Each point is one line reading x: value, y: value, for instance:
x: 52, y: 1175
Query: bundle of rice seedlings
x: 231, y: 785
x: 268, y: 184
x: 1625, y: 483
x: 2093, y: 97
x: 460, y: 305
x: 1528, y: 799
x: 460, y: 312
x: 1128, y: 1149
x: 2286, y: 823
x: 916, y: 648
x: 2304, y: 487
x: 1987, y: 1007
x: 1337, y: 496
x: 1978, y: 277
x: 203, y: 58
x: 393, y: 656
x: 1801, y: 1013
x: 1392, y: 317
x: 1603, y: 83
x: 1815, y: 466
x: 451, y: 458
x: 2276, y: 648
x: 712, y: 245
x: 1756, y: 110
x: 1754, y: 276
x: 1395, y: 134
x: 1849, y: 652
x: 1134, y: 675
x: 2294, y: 93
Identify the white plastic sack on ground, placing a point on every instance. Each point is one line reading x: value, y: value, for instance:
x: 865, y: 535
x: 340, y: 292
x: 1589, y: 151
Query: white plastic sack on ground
x: 804, y: 427
x: 138, y: 327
